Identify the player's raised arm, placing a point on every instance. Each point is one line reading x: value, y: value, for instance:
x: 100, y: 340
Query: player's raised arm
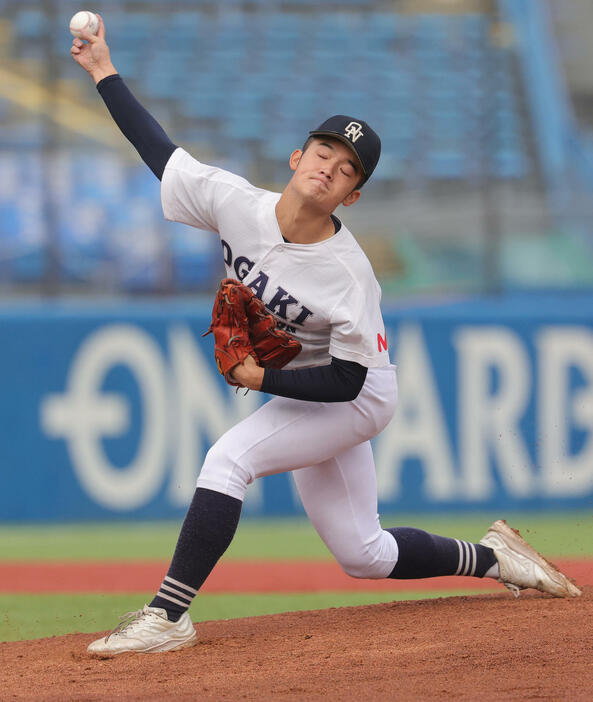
x: 92, y: 53
x: 138, y: 126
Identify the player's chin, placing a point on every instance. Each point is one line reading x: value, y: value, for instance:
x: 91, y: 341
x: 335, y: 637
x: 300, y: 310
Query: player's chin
x: 318, y: 192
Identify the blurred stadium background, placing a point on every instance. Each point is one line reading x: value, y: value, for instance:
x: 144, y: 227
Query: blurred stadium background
x: 477, y: 221
x: 484, y: 108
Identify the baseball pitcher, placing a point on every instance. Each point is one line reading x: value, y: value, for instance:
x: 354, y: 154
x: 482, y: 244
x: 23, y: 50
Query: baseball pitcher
x: 293, y: 267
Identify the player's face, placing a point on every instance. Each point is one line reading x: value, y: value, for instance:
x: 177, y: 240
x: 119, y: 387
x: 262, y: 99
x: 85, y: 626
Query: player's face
x: 326, y: 173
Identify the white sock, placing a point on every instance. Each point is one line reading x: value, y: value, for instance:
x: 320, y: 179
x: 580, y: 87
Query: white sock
x: 493, y: 572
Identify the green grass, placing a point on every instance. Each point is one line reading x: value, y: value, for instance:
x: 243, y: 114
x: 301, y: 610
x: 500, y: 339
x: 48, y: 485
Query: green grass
x: 35, y: 616
x: 38, y: 616
x: 563, y: 534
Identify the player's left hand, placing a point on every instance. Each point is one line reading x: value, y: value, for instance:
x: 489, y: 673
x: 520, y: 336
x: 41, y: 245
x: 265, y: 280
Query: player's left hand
x: 248, y: 374
x: 246, y: 337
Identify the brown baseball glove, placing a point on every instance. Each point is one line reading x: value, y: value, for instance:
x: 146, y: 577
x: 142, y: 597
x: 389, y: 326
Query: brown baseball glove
x: 242, y: 326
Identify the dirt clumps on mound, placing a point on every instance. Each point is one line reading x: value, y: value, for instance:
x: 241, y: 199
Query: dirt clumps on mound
x: 488, y: 647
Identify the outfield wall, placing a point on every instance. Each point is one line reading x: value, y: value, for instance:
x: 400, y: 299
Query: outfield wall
x: 107, y: 410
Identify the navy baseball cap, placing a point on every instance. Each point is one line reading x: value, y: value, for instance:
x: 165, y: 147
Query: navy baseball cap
x: 358, y: 136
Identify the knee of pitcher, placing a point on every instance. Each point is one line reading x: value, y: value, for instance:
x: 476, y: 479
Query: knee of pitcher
x: 360, y: 568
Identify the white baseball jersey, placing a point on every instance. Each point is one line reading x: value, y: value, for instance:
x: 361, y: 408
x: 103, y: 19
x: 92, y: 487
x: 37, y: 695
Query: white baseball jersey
x: 325, y: 294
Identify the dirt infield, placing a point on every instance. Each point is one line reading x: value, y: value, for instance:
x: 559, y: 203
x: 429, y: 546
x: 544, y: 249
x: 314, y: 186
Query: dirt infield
x: 485, y: 647
x: 235, y: 576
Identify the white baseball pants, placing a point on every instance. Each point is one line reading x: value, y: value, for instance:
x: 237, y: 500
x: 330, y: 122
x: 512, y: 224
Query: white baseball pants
x: 327, y: 446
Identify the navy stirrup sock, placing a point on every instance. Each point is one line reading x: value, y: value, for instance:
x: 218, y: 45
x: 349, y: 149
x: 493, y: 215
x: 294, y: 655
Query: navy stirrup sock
x: 424, y: 555
x: 207, y: 531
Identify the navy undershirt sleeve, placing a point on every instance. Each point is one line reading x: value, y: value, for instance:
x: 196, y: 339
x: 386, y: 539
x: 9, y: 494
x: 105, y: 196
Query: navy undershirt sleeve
x: 137, y: 124
x: 341, y: 381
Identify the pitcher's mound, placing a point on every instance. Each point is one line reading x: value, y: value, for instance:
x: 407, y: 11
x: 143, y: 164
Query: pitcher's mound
x: 487, y: 647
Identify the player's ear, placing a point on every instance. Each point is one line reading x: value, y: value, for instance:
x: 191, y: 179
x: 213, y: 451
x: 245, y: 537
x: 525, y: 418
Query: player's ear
x: 351, y: 198
x: 294, y: 159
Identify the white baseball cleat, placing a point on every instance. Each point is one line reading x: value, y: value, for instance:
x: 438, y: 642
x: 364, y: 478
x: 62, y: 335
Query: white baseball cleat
x: 521, y: 566
x: 147, y: 631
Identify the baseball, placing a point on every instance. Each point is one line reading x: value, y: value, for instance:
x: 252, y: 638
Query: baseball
x: 84, y: 21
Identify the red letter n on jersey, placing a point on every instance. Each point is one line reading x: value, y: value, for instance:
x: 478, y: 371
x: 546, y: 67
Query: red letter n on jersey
x: 382, y: 342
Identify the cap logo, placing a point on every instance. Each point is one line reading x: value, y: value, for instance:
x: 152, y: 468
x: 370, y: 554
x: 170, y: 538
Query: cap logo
x: 353, y: 131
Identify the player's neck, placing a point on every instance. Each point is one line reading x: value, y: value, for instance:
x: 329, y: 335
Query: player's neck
x: 301, y: 225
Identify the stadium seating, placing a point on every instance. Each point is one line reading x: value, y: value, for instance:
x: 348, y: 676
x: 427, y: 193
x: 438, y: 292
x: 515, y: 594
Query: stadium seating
x: 246, y: 70
x: 247, y: 82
